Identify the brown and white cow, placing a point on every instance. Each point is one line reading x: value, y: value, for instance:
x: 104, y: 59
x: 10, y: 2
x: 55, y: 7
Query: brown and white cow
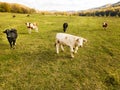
x: 31, y: 26
x: 70, y: 40
x: 104, y: 25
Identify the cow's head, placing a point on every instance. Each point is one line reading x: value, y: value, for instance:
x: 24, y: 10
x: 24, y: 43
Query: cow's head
x: 27, y: 24
x: 105, y: 23
x: 7, y: 31
x: 80, y: 42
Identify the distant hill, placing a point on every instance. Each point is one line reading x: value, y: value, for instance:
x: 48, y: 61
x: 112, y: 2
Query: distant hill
x: 116, y: 4
x: 107, y: 6
x: 15, y: 8
x: 106, y: 10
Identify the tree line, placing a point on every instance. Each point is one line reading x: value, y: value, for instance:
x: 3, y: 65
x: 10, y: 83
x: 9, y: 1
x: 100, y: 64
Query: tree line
x: 113, y: 11
x: 15, y: 8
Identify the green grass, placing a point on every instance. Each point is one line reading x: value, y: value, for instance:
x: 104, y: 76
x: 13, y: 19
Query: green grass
x: 34, y: 64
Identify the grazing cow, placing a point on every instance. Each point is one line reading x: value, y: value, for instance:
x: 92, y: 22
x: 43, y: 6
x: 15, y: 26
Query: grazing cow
x: 28, y: 15
x: 65, y: 25
x: 11, y: 36
x: 104, y: 25
x: 14, y: 16
x: 31, y: 26
x: 70, y: 40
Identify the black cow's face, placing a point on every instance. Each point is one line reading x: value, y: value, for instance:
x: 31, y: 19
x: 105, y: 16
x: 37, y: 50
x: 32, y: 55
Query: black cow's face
x: 7, y: 31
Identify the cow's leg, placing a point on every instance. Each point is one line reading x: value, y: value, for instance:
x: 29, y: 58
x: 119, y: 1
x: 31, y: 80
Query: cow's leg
x: 14, y: 43
x: 62, y: 47
x: 76, y: 49
x: 10, y: 42
x: 57, y: 44
x: 72, y: 52
x: 57, y: 48
x: 29, y: 30
x: 36, y: 29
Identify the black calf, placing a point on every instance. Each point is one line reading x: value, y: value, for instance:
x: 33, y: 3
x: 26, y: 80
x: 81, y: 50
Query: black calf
x: 11, y: 36
x: 65, y: 25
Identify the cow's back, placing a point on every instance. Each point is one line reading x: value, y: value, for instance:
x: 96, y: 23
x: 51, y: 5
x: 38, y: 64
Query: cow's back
x: 13, y: 34
x: 66, y: 38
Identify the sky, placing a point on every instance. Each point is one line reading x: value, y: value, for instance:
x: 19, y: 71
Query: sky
x: 62, y: 5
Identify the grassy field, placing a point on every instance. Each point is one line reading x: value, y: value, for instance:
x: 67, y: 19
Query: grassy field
x: 34, y: 64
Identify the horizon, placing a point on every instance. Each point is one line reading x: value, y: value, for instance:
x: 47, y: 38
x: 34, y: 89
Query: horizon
x: 67, y: 5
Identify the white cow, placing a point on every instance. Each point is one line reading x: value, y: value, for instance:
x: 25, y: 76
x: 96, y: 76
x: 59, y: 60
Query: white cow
x: 31, y: 26
x: 70, y: 40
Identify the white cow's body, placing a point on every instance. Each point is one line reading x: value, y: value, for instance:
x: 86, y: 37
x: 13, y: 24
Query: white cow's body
x: 70, y: 40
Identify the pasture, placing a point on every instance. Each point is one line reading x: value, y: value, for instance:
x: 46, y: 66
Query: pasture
x: 34, y: 64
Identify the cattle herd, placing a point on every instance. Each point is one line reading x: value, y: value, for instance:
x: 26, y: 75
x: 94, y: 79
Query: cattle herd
x: 74, y: 42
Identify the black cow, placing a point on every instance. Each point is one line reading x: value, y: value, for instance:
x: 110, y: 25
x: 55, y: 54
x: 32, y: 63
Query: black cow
x: 65, y: 25
x: 28, y: 15
x: 11, y: 36
x: 14, y: 16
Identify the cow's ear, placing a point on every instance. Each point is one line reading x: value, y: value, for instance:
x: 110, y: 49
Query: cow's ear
x: 77, y: 40
x: 84, y: 40
x: 6, y: 31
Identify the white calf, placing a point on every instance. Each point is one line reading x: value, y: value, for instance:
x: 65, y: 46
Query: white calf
x: 70, y: 40
x: 31, y: 26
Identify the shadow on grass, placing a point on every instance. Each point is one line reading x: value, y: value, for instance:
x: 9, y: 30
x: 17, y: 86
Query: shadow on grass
x: 23, y: 33
x: 45, y: 55
x: 57, y: 31
x: 51, y: 55
x: 107, y: 50
x: 4, y: 46
x: 93, y: 30
x: 111, y: 82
